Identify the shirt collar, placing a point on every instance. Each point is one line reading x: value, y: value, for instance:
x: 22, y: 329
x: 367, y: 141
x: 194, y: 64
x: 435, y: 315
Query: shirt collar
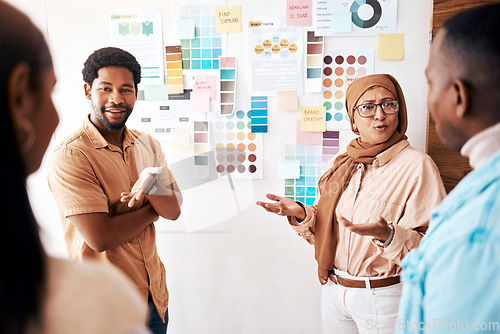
x: 391, y: 152
x: 482, y: 146
x: 98, y: 141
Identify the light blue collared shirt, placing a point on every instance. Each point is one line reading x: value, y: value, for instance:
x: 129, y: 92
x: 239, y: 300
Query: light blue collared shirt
x: 451, y: 283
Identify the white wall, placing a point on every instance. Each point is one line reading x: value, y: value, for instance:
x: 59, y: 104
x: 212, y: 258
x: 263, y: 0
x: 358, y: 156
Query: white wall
x: 250, y: 273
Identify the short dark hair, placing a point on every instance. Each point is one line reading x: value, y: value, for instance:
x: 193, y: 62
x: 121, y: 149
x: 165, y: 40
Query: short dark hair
x: 110, y: 56
x: 473, y: 38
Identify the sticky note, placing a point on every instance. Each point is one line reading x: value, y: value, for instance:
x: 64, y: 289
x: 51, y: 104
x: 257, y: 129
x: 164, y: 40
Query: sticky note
x: 313, y: 119
x: 299, y: 12
x: 200, y: 101
x: 185, y: 28
x: 155, y: 92
x: 289, y: 169
x: 341, y: 22
x: 228, y: 19
x: 179, y: 138
x: 288, y: 100
x: 308, y: 138
x: 206, y: 83
x: 390, y: 46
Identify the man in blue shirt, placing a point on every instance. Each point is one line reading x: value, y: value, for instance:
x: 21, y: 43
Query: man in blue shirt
x: 451, y: 283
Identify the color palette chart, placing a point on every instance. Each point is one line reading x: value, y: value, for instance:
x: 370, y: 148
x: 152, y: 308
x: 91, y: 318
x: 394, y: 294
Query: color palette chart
x: 238, y: 150
x: 330, y: 147
x: 259, y: 114
x: 304, y: 189
x: 227, y: 85
x: 175, y: 82
x: 314, y: 61
x: 338, y: 67
x: 203, y: 51
x: 201, y: 149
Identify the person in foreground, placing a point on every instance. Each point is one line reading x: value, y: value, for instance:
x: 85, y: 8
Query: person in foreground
x: 451, y: 281
x: 111, y: 183
x: 39, y: 293
x: 373, y: 209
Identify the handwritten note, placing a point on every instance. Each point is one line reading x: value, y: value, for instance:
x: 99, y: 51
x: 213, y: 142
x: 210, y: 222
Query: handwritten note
x: 299, y: 12
x: 206, y: 83
x: 228, y: 19
x: 313, y: 119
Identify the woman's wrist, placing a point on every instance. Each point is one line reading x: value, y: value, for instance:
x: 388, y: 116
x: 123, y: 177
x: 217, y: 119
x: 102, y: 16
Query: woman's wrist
x: 301, y: 212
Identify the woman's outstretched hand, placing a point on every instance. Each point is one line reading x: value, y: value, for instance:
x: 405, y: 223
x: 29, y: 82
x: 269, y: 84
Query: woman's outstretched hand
x: 376, y: 228
x: 283, y: 206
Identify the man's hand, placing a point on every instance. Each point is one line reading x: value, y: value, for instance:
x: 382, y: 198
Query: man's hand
x: 149, y: 183
x: 376, y: 228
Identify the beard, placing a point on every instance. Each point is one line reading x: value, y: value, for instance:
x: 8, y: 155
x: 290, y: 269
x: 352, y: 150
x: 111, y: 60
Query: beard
x: 100, y: 113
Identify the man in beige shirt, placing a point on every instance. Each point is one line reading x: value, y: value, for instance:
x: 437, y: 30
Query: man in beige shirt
x: 103, y: 178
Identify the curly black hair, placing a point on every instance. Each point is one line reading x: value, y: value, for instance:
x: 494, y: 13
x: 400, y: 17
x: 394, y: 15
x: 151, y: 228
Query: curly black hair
x: 110, y: 56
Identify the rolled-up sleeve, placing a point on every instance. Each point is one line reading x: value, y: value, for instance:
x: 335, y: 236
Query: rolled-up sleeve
x: 307, y: 227
x: 427, y: 192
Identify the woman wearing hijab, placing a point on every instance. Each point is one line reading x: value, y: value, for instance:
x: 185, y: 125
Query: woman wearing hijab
x: 38, y: 293
x: 374, y: 206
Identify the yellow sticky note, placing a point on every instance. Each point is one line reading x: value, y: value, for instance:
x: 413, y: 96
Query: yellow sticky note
x: 228, y: 19
x: 288, y: 100
x: 313, y: 119
x: 391, y: 46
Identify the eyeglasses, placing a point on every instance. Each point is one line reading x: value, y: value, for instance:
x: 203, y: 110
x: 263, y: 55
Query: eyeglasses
x: 369, y: 109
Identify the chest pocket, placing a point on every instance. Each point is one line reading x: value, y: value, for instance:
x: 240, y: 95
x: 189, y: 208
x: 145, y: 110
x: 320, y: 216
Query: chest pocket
x: 373, y: 208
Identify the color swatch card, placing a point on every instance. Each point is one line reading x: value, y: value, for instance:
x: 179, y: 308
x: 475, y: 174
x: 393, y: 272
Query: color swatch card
x: 330, y: 147
x: 227, y: 85
x: 259, y: 114
x: 203, y: 51
x: 314, y: 61
x: 238, y: 150
x: 201, y: 149
x: 337, y: 65
x: 175, y: 80
x: 304, y: 188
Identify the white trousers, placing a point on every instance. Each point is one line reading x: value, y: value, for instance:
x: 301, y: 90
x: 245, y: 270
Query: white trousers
x: 359, y: 310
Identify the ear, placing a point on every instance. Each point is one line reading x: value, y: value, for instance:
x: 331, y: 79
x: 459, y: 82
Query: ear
x: 88, y: 91
x: 22, y: 102
x: 462, y: 98
x: 19, y: 93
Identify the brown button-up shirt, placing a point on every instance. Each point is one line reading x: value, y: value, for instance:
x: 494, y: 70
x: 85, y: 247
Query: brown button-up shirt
x: 87, y: 175
x: 402, y: 185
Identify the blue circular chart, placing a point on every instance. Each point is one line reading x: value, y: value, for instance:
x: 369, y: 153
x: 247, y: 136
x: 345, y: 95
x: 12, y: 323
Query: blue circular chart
x: 377, y: 13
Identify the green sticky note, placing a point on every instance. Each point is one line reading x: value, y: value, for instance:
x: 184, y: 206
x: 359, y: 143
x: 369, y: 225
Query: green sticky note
x: 155, y: 93
x: 341, y: 22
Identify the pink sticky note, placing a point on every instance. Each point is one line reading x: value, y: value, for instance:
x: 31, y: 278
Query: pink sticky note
x: 206, y: 83
x: 308, y: 138
x: 299, y: 13
x: 200, y: 101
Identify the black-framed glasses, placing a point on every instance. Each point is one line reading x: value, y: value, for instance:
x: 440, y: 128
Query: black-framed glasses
x: 369, y: 109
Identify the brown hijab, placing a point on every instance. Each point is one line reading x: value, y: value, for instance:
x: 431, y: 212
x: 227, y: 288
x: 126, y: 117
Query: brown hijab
x: 333, y: 182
